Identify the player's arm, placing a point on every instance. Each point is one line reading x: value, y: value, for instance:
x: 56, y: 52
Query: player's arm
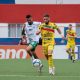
x: 22, y: 33
x: 39, y: 30
x: 73, y: 35
x: 59, y: 31
x: 23, y: 29
x: 66, y: 35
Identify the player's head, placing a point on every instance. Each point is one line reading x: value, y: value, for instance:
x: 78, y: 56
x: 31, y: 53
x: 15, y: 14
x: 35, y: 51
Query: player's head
x: 29, y: 19
x: 70, y: 26
x: 46, y: 18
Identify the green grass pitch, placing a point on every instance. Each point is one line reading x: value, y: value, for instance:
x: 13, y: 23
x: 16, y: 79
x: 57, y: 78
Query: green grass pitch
x: 23, y: 70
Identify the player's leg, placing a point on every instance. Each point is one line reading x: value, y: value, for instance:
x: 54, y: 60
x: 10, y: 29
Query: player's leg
x: 34, y: 45
x: 39, y: 69
x: 68, y: 50
x: 49, y: 49
x: 50, y: 59
x: 45, y: 50
x: 73, y: 53
x: 31, y: 49
x: 34, y: 54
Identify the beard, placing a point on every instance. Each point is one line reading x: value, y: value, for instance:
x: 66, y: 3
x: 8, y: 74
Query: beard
x: 30, y: 23
x: 47, y: 23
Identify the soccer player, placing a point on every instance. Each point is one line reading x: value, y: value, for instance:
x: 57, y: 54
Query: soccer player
x: 70, y: 47
x: 47, y: 33
x: 30, y: 29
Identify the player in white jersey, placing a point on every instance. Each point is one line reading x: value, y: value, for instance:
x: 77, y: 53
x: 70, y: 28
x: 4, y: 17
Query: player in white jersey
x: 31, y: 28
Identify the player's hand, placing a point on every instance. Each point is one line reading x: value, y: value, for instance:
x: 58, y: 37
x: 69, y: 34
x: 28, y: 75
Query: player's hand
x: 63, y: 37
x: 38, y: 32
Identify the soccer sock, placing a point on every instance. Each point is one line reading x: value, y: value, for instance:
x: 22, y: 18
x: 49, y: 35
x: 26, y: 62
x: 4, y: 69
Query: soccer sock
x: 73, y: 55
x: 35, y: 56
x: 32, y: 57
x: 50, y: 60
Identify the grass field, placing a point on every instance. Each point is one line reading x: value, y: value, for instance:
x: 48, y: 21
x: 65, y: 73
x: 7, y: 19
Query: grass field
x: 23, y: 70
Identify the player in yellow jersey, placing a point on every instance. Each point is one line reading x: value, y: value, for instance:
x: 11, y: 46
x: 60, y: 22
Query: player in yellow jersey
x: 47, y: 33
x: 70, y: 47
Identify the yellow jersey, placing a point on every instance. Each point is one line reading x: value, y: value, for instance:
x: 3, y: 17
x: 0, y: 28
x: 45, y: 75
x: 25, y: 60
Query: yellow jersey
x: 47, y: 32
x: 69, y: 34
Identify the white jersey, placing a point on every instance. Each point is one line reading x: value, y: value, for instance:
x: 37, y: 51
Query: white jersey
x: 31, y: 31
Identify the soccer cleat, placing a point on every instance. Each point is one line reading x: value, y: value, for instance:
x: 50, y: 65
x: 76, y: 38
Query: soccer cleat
x: 52, y: 71
x: 73, y: 60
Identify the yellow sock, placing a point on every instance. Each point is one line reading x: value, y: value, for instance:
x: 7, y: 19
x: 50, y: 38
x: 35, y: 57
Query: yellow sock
x: 50, y: 60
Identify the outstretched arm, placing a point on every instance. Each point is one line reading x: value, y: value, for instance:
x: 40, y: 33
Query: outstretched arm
x: 23, y: 30
x: 59, y: 31
x: 72, y: 35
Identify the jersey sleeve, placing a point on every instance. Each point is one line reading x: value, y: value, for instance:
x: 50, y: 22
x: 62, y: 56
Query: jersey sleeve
x: 74, y: 33
x: 55, y: 26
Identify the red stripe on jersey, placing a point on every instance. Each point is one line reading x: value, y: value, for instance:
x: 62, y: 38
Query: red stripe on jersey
x: 71, y: 34
x: 48, y: 29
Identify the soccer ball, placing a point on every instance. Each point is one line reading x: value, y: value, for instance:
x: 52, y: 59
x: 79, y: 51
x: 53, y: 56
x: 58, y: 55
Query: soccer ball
x: 36, y: 62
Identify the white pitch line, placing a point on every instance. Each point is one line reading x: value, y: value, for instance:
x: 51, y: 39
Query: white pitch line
x: 35, y: 76
x: 53, y: 76
x: 12, y: 76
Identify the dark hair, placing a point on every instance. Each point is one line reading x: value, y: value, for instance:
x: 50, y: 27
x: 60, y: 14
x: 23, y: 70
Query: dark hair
x: 70, y: 24
x: 46, y: 15
x: 28, y: 16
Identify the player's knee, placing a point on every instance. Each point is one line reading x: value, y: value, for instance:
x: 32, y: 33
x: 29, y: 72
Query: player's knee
x: 29, y: 48
x: 73, y: 51
x: 50, y: 51
x: 49, y: 54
